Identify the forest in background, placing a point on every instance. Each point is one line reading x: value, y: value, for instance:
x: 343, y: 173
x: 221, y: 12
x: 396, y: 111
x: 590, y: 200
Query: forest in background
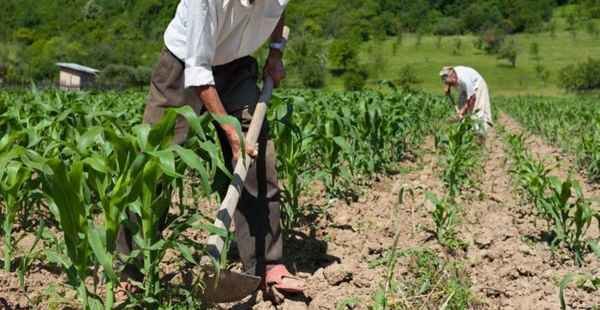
x: 123, y: 38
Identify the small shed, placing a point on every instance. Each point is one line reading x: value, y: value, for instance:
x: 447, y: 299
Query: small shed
x: 75, y: 77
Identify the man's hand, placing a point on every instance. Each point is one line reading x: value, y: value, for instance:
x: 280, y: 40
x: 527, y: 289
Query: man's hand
x: 447, y: 89
x: 236, y: 144
x: 212, y: 102
x: 274, y: 67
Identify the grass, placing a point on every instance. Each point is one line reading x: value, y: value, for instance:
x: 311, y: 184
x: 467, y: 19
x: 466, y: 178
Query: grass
x: 427, y: 59
x: 431, y: 282
x: 556, y: 53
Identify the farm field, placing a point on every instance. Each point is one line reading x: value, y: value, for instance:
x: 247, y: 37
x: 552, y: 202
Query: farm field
x: 387, y: 204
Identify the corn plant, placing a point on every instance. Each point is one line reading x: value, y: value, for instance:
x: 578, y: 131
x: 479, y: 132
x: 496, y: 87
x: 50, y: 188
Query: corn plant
x: 292, y: 143
x: 445, y: 217
x: 90, y: 162
x: 572, y: 124
x: 14, y: 176
x: 64, y: 185
x: 570, y: 216
x: 460, y: 156
x: 561, y: 203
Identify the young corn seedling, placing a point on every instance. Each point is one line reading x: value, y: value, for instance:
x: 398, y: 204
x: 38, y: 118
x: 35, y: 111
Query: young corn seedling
x: 561, y: 204
x: 444, y: 216
x: 460, y: 156
x: 65, y: 186
x: 590, y: 282
x: 570, y: 216
x: 15, y: 186
x: 292, y: 144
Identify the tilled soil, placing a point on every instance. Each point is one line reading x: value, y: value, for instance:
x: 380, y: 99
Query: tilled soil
x: 507, y: 259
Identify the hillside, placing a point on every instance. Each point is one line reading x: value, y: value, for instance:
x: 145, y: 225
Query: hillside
x: 123, y: 38
x: 427, y: 59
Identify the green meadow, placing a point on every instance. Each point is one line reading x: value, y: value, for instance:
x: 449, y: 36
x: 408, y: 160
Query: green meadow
x: 427, y: 58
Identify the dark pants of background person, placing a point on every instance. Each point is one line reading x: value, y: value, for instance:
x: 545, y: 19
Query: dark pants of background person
x: 257, y: 218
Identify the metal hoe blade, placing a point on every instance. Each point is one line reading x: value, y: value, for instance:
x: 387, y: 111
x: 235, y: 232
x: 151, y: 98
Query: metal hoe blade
x: 228, y: 286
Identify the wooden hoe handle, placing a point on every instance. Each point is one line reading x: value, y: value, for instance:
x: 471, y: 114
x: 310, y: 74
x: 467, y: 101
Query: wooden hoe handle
x: 228, y: 205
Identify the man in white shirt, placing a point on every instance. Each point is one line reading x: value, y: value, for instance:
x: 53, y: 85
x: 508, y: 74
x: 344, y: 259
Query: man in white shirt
x: 474, y: 95
x: 206, y: 64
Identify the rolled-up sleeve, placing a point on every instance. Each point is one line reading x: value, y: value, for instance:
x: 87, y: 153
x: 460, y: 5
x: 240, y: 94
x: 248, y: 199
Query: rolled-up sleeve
x: 201, y: 43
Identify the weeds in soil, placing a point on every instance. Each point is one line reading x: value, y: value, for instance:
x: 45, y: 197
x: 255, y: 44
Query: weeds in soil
x: 431, y: 283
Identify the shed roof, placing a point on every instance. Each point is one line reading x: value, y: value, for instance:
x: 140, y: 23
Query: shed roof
x: 77, y: 67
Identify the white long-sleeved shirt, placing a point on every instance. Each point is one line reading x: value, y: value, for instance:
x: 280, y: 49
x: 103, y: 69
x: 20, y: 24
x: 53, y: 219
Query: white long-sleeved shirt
x: 471, y: 83
x: 207, y: 33
x: 468, y: 82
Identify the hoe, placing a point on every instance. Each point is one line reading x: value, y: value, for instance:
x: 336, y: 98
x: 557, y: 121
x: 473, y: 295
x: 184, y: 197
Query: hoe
x: 225, y: 285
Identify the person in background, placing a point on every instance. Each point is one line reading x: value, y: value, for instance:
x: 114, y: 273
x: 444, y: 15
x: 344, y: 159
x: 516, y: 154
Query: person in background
x: 206, y: 64
x: 474, y: 97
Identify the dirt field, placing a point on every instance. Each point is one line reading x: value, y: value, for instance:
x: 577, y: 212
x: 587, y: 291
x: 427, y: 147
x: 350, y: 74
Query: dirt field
x: 507, y: 261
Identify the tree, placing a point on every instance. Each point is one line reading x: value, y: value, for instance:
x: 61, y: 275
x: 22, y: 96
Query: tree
x: 491, y: 40
x: 306, y: 60
x: 509, y: 52
x: 592, y: 29
x: 552, y: 29
x: 542, y: 73
x: 534, y: 51
x: 572, y: 25
x: 456, y: 46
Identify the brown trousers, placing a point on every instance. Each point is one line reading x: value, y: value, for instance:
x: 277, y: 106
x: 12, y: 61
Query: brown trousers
x: 257, y: 218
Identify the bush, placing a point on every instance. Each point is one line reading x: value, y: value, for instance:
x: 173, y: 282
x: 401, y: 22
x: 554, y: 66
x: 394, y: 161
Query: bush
x: 534, y: 51
x: 355, y: 79
x: 591, y: 8
x: 491, y: 40
x: 408, y: 78
x: 342, y: 53
x: 581, y: 77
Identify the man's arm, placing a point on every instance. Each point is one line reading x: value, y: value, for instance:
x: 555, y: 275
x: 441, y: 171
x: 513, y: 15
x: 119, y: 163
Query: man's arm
x: 468, y: 107
x: 212, y: 102
x: 274, y: 65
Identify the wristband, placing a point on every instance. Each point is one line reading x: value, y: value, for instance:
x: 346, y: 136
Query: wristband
x: 278, y: 45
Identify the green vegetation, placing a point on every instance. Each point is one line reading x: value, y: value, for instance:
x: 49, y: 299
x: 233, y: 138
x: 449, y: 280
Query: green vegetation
x: 430, y: 283
x: 572, y: 124
x: 460, y: 155
x: 502, y: 79
x: 83, y: 160
x: 124, y: 39
x: 561, y: 203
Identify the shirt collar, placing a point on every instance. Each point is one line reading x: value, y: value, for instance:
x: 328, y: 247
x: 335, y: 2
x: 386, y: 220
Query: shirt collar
x: 246, y: 3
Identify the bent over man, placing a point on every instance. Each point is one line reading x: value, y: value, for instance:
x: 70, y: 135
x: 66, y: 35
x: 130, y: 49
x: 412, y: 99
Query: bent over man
x: 474, y: 96
x: 206, y: 64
